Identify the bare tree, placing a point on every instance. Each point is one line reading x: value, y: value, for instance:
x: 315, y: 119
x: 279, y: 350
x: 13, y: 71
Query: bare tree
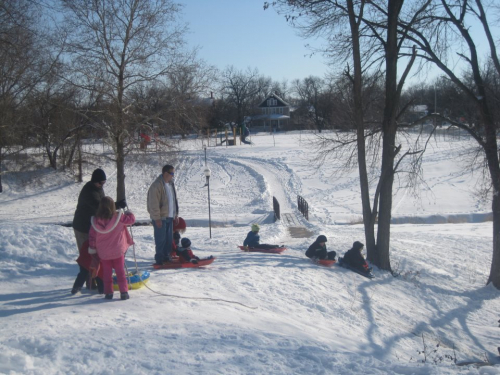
x: 55, y: 118
x: 454, y: 18
x: 366, y: 34
x: 241, y: 89
x: 114, y: 46
x: 21, y: 58
x: 316, y: 100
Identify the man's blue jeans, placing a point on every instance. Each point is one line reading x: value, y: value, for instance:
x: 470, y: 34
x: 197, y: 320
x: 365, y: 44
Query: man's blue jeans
x: 163, y: 239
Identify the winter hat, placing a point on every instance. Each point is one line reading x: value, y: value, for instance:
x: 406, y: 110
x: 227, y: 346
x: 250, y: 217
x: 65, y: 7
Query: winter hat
x: 321, y: 239
x: 181, y: 225
x: 185, y: 242
x: 255, y: 227
x: 357, y: 245
x: 98, y: 175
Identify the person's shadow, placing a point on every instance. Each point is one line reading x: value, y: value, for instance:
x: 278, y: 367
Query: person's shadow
x: 20, y: 303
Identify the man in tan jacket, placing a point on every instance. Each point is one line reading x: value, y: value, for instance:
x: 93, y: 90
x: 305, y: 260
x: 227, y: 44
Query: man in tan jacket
x: 163, y: 209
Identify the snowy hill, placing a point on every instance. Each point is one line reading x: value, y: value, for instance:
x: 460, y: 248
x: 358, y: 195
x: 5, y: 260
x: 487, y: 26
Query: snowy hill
x: 254, y: 313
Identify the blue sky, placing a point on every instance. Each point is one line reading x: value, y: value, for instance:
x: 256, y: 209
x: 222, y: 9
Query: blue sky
x: 242, y: 34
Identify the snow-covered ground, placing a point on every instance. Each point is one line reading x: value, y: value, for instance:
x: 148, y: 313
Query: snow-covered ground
x: 254, y: 313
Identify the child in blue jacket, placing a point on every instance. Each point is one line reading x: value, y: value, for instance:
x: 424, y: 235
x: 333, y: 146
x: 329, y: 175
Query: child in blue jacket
x: 253, y: 239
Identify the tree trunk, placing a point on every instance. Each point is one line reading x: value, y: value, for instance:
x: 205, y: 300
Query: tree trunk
x: 80, y: 169
x: 120, y: 169
x: 491, y: 151
x: 494, y: 276
x: 382, y: 258
x: 368, y: 216
x: 1, y: 161
x: 72, y: 152
x: 389, y: 127
x: 52, y: 157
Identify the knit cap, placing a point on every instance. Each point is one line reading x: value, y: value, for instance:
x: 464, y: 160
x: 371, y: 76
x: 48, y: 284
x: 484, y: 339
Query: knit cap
x: 98, y: 175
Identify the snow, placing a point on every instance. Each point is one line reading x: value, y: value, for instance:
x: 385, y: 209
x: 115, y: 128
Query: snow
x: 254, y: 313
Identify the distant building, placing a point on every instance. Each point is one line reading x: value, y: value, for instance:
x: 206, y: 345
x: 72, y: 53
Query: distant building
x: 416, y: 112
x: 274, y: 114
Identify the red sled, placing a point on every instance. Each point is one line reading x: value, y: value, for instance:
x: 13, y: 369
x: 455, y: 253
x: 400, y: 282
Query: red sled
x: 176, y: 264
x: 275, y: 250
x: 325, y: 262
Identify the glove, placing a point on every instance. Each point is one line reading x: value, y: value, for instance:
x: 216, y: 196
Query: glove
x: 94, y: 265
x: 121, y: 203
x: 194, y: 261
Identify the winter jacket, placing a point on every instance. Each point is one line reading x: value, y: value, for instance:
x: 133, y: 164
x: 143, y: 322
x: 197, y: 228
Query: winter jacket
x: 186, y: 254
x: 355, y: 260
x: 252, y: 239
x: 316, y: 250
x: 110, y: 238
x: 88, y: 202
x: 158, y: 201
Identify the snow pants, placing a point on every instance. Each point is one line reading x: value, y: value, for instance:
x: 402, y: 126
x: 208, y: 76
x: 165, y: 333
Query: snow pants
x: 107, y: 268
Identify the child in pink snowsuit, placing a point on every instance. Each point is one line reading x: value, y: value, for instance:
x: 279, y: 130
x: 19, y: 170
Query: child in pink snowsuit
x: 110, y: 238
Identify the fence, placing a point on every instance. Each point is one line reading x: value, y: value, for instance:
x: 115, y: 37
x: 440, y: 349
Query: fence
x: 303, y: 207
x: 276, y: 208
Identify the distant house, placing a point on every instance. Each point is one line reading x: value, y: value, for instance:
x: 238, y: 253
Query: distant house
x: 417, y: 112
x: 274, y: 114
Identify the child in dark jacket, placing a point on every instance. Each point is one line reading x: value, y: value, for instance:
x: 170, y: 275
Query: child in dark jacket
x: 185, y: 253
x: 354, y: 259
x: 86, y: 269
x: 318, y: 250
x: 253, y: 239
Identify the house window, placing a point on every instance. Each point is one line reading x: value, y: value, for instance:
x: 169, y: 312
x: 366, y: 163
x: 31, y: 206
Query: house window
x: 272, y: 102
x: 281, y: 110
x: 263, y: 111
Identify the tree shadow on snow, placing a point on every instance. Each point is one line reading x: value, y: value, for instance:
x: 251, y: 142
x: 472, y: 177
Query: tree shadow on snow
x: 441, y: 322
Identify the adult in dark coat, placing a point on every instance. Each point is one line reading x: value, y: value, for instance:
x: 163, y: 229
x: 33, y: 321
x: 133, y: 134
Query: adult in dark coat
x: 318, y: 250
x: 355, y: 259
x: 88, y: 201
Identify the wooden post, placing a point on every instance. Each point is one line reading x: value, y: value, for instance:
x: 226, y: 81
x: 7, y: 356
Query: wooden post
x: 227, y: 141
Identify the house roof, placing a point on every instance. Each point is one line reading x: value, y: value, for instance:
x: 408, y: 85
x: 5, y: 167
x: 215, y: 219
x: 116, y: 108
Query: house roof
x: 281, y: 102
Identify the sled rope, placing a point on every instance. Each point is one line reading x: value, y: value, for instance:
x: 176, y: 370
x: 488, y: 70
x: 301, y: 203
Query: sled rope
x: 183, y: 297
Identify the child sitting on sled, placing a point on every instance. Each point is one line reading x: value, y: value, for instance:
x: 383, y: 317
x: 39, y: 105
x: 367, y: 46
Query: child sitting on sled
x: 317, y: 250
x: 354, y: 259
x: 179, y: 228
x: 110, y: 239
x: 185, y: 253
x: 253, y: 239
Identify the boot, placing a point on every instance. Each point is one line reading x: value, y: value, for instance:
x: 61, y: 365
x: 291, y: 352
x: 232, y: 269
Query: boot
x: 109, y: 296
x: 124, y: 296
